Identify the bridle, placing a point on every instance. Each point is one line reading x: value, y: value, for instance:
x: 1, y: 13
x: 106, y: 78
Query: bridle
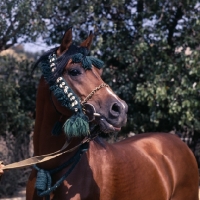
x: 89, y: 96
x: 78, y: 124
x: 86, y: 99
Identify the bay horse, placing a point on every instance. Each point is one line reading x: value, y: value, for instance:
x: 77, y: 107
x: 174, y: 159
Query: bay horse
x: 74, y: 103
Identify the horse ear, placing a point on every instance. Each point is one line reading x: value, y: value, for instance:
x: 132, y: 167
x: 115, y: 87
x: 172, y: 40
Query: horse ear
x: 66, y: 42
x: 87, y: 43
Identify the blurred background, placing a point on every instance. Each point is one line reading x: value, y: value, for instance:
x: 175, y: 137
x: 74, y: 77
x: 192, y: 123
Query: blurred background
x: 151, y: 52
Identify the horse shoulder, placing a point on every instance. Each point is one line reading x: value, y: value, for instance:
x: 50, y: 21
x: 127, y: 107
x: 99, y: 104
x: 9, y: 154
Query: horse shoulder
x: 114, y: 167
x: 123, y: 167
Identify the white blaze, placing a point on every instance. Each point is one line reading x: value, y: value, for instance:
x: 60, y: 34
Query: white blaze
x: 116, y: 97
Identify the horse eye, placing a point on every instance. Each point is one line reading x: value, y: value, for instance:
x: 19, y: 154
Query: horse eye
x: 74, y: 72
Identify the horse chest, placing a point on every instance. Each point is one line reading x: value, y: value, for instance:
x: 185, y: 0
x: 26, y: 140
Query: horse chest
x: 80, y: 184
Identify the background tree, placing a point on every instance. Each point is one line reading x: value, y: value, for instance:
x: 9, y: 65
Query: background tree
x: 17, y: 106
x: 22, y: 20
x: 150, y: 48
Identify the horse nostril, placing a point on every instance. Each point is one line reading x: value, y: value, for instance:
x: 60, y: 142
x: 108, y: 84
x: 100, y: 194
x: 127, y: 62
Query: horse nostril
x: 115, y: 109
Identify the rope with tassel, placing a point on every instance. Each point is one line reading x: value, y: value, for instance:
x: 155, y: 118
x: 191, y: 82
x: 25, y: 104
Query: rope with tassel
x: 43, y: 183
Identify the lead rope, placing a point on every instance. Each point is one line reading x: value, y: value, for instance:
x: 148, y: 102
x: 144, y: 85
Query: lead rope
x: 44, y: 181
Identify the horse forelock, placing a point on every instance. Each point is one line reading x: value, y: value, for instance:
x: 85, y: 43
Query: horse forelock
x: 62, y: 60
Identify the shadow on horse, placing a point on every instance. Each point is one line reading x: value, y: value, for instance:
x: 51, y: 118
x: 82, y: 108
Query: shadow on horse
x: 74, y: 104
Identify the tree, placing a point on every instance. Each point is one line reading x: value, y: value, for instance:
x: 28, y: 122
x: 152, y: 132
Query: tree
x: 17, y: 95
x: 22, y: 20
x: 17, y: 106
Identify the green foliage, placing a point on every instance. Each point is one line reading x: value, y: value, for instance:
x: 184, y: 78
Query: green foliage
x: 151, y: 68
x: 17, y: 95
x: 22, y: 20
x: 144, y: 44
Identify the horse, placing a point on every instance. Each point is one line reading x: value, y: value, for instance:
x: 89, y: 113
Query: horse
x: 73, y: 104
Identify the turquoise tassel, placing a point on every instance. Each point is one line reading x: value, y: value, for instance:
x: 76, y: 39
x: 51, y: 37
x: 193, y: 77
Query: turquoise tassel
x: 43, y: 181
x: 87, y: 64
x: 76, y: 125
x: 87, y: 61
x: 96, y: 62
x: 77, y: 58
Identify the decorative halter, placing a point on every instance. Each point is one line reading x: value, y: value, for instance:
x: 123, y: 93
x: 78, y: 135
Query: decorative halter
x: 77, y: 125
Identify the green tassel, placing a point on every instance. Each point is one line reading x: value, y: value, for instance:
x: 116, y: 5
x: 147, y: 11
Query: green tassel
x: 87, y: 61
x: 76, y: 126
x: 57, y: 129
x: 77, y: 58
x: 87, y: 64
x: 96, y: 62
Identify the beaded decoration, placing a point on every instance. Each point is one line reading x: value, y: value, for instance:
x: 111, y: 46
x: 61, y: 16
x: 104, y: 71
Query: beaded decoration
x: 77, y: 125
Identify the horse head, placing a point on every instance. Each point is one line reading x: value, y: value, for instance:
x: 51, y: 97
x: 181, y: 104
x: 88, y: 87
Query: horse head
x: 75, y: 80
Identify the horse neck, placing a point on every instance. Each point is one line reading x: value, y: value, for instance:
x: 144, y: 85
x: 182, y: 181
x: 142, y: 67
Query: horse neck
x: 46, y: 117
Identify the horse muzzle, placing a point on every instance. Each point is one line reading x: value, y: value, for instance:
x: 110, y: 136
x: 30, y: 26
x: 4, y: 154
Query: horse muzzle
x: 117, y: 117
